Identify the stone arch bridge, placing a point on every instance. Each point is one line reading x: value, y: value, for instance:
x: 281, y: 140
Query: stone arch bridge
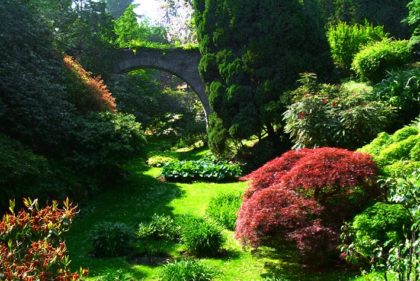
x: 177, y: 61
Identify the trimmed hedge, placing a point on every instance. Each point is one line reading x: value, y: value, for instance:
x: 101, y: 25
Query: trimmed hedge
x: 372, y: 62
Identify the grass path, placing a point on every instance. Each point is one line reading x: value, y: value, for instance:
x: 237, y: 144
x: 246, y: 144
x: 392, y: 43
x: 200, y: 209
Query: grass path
x: 137, y: 202
x: 142, y: 196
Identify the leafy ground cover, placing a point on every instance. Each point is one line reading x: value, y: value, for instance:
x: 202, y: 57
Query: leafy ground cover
x: 141, y: 197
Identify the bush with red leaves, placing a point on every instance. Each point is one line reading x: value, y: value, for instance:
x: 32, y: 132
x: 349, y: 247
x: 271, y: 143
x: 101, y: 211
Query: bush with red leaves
x: 88, y: 93
x: 273, y: 211
x: 30, y: 244
x: 317, y: 243
x: 304, y: 196
x: 272, y: 172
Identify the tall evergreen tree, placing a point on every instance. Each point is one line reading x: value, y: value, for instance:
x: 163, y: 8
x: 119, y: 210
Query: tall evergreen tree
x: 253, y: 52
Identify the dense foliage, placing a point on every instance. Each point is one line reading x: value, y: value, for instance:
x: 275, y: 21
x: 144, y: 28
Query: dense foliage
x: 252, y: 51
x: 33, y: 97
x: 397, y: 154
x: 187, y: 270
x: 224, y: 209
x: 342, y: 116
x: 20, y: 167
x: 387, y: 13
x: 403, y: 259
x: 387, y: 235
x: 111, y: 239
x: 201, y: 237
x: 372, y: 62
x: 346, y: 41
x: 31, y: 247
x: 376, y: 226
x: 413, y: 20
x: 105, y: 141
x: 203, y: 170
x: 401, y: 90
x: 52, y: 108
x: 304, y: 196
x: 87, y: 93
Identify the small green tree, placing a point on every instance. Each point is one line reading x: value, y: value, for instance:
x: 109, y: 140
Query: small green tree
x: 127, y: 28
x: 131, y: 33
x: 347, y: 40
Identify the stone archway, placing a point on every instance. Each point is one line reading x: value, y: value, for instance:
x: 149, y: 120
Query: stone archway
x: 179, y: 62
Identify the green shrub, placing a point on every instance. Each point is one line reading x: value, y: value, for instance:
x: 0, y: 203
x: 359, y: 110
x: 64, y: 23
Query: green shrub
x: 346, y: 40
x: 398, y: 150
x: 160, y: 227
x: 200, y: 170
x: 200, y: 237
x: 159, y: 160
x: 187, y: 270
x: 402, y: 167
x: 224, y: 208
x: 339, y: 116
x: 404, y: 133
x: 23, y: 173
x: 111, y: 239
x: 401, y: 89
x: 415, y: 152
x: 396, y: 154
x: 372, y: 62
x: 103, y: 142
x: 377, y: 225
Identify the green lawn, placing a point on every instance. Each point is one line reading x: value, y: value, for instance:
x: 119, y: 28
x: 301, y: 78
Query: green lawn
x: 142, y: 196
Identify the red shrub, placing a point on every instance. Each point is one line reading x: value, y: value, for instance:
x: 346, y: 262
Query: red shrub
x: 273, y: 171
x: 332, y: 167
x: 88, y: 93
x: 304, y: 196
x: 342, y: 181
x: 30, y: 244
x: 316, y: 243
x: 273, y: 211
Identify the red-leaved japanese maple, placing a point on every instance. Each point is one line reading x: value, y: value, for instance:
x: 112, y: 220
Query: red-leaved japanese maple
x: 342, y: 181
x: 273, y: 211
x: 304, y: 196
x: 273, y: 171
x: 30, y: 244
x: 317, y: 243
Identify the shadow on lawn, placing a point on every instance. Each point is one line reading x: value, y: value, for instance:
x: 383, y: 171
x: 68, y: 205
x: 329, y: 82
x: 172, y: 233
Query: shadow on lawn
x: 283, y: 265
x: 133, y: 202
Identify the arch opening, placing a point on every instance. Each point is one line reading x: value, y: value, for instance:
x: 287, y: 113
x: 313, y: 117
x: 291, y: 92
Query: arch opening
x: 179, y: 62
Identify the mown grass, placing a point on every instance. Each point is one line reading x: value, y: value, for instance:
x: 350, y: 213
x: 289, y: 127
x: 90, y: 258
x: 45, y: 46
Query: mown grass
x: 143, y: 195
